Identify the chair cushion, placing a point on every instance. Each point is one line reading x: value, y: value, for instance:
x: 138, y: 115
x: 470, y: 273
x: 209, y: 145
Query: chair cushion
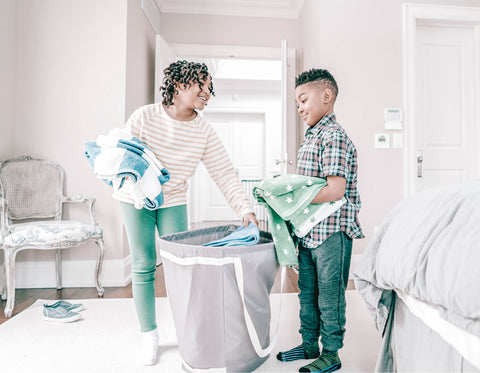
x: 56, y: 234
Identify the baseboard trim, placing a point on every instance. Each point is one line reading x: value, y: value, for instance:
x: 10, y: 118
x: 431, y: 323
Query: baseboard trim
x: 115, y: 273
x: 75, y: 273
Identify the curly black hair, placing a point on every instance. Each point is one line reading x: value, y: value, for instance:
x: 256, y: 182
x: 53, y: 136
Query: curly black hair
x: 320, y: 76
x: 186, y: 73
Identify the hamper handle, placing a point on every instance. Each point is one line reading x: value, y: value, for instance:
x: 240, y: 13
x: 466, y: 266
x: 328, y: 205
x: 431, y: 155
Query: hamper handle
x: 238, y: 269
x: 261, y: 352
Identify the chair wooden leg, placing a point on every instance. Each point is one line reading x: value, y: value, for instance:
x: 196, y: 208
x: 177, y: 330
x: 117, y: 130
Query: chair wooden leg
x: 3, y: 289
x: 58, y: 268
x: 10, y: 281
x: 98, y: 268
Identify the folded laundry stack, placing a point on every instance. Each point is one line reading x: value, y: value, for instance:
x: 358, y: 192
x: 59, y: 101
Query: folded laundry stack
x: 119, y: 159
x: 291, y: 214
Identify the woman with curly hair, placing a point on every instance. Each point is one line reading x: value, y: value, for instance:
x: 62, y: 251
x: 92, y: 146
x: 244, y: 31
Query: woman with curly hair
x: 180, y: 138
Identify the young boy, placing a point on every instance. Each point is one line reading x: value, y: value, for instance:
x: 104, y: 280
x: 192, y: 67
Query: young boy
x: 324, y: 253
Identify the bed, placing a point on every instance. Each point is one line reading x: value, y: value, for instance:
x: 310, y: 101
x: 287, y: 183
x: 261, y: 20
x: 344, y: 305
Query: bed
x: 420, y: 279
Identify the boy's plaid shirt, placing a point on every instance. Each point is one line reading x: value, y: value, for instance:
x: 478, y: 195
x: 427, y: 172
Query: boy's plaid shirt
x: 327, y: 150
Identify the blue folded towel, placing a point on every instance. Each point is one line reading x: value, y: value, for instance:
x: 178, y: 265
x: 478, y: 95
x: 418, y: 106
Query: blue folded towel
x: 119, y: 155
x: 241, y: 237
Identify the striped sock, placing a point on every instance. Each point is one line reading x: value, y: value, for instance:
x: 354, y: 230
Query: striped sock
x: 300, y: 352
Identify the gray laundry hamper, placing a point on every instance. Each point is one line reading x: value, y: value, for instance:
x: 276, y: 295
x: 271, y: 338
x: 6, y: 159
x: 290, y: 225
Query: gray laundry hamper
x: 219, y: 298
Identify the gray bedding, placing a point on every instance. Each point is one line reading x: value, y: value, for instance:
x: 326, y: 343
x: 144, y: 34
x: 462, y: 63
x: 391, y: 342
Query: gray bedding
x: 429, y: 247
x: 429, y: 352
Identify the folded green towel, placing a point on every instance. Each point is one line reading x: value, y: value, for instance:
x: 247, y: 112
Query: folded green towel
x: 287, y: 199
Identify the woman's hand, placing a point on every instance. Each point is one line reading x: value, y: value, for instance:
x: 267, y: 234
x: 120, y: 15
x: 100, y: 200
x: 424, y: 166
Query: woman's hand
x: 249, y: 218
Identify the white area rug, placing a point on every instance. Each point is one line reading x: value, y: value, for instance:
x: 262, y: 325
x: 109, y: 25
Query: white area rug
x: 106, y: 339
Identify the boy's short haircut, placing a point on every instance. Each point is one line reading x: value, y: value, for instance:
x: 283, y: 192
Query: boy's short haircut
x: 318, y: 76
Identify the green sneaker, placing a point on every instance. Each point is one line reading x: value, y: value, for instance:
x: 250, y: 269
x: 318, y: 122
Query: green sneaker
x: 327, y: 362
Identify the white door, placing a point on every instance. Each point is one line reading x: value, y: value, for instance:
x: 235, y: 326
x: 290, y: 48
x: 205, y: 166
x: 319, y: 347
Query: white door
x: 445, y: 138
x: 289, y: 127
x: 243, y: 135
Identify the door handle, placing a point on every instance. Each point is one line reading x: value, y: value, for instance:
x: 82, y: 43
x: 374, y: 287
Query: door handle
x: 278, y: 161
x: 419, y: 164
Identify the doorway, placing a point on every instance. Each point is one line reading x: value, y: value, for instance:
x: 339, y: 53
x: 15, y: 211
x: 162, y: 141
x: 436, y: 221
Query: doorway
x: 251, y: 84
x: 243, y: 135
x: 246, y: 113
x: 442, y: 95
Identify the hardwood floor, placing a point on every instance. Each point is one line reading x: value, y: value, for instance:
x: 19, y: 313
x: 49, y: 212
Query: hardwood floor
x: 26, y: 297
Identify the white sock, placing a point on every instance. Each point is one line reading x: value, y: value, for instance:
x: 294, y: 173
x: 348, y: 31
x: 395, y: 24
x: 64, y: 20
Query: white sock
x: 149, y: 347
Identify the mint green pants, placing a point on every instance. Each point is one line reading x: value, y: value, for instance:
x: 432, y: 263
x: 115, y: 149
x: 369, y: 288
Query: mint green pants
x: 140, y: 226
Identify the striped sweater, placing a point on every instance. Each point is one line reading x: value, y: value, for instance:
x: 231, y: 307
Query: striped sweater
x: 180, y: 146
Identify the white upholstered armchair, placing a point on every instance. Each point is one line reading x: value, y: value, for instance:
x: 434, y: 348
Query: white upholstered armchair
x: 31, y: 204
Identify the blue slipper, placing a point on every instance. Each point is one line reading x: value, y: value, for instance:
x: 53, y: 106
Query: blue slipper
x: 60, y: 314
x: 67, y: 306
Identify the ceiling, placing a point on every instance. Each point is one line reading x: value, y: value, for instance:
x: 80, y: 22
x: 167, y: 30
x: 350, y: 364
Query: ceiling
x: 247, y: 8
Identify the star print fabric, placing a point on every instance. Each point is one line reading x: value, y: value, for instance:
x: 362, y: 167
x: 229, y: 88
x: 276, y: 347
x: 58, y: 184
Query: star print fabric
x: 287, y: 198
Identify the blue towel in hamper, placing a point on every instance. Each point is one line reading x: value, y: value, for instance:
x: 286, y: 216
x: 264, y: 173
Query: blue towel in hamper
x: 240, y: 237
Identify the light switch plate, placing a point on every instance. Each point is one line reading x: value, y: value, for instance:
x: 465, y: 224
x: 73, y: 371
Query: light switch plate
x: 397, y: 140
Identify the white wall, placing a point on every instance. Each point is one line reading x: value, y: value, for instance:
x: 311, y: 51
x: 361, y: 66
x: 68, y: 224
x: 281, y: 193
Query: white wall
x: 73, y: 58
x: 363, y: 50
x: 8, y: 30
x: 74, y: 69
x: 227, y: 30
x: 360, y: 43
x: 140, y: 59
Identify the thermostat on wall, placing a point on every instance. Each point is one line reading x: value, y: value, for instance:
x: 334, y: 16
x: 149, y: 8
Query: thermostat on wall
x: 393, y: 118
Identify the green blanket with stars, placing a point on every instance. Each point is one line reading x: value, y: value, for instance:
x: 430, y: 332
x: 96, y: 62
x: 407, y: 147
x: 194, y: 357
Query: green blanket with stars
x: 287, y: 199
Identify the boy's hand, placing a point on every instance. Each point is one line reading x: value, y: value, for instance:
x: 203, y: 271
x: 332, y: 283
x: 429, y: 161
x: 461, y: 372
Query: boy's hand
x: 249, y: 218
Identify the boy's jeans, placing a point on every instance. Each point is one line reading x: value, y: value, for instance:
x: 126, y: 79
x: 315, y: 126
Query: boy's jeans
x: 322, y: 280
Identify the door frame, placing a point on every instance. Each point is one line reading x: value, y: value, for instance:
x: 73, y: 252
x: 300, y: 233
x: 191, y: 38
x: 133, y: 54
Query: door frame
x: 441, y: 15
x: 280, y: 53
